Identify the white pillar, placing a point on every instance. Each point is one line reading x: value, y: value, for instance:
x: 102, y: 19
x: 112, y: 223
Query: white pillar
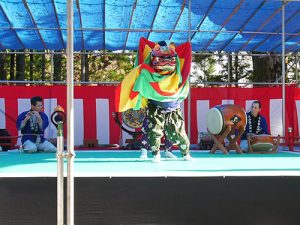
x: 70, y: 116
x: 190, y: 92
x: 283, y: 66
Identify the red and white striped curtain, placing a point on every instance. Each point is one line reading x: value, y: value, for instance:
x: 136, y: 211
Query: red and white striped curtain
x: 94, y: 106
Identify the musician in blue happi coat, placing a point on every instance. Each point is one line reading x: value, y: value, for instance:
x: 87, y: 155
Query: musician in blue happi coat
x: 256, y: 124
x: 32, y: 124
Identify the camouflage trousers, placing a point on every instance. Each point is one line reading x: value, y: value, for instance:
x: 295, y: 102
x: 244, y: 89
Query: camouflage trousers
x: 145, y: 138
x: 171, y: 124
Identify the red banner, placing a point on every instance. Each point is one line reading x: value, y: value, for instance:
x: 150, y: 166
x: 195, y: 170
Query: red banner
x: 94, y: 105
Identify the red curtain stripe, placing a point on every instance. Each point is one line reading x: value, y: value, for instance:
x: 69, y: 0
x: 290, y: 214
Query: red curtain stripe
x: 89, y: 94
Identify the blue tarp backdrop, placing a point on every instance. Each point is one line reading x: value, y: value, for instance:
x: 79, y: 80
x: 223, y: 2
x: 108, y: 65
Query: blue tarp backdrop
x: 216, y: 25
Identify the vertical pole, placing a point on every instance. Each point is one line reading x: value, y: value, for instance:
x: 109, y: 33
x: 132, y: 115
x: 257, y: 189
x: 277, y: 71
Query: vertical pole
x: 229, y: 67
x: 296, y: 68
x: 70, y: 116
x: 52, y: 66
x: 283, y: 66
x: 190, y: 91
x: 60, y: 174
x: 83, y: 68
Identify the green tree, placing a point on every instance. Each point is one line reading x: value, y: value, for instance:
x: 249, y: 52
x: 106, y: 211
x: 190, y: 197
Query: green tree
x: 12, y: 67
x: 20, y: 67
x: 3, y: 67
x: 266, y: 68
x: 238, y: 67
x: 109, y: 67
x: 204, y: 68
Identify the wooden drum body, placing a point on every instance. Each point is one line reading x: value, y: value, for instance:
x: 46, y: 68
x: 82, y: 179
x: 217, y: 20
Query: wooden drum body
x: 261, y: 143
x: 221, y: 116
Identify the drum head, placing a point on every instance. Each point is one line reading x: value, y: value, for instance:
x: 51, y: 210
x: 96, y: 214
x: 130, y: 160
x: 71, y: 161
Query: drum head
x: 134, y: 118
x: 262, y: 147
x: 214, y: 121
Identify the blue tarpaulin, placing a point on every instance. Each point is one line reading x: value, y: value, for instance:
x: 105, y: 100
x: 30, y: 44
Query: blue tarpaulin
x: 216, y: 25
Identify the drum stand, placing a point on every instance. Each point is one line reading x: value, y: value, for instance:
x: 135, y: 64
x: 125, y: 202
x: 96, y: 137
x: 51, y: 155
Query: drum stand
x: 274, y: 149
x: 219, y: 139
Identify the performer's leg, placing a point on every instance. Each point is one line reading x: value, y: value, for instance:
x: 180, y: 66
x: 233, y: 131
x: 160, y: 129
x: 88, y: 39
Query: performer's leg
x: 144, y: 141
x: 168, y: 149
x: 175, y: 132
x: 29, y: 147
x: 144, y: 153
x: 156, y: 121
x: 46, y: 146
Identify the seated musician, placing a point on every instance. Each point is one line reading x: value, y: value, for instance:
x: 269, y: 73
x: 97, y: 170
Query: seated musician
x: 256, y: 124
x: 32, y: 124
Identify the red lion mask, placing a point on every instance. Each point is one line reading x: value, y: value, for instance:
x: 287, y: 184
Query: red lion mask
x: 163, y: 58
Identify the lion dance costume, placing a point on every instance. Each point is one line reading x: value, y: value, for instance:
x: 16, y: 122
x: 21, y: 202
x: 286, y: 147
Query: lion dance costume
x: 159, y: 82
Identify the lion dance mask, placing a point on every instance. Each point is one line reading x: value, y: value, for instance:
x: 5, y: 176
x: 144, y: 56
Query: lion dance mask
x: 163, y: 58
x: 161, y: 74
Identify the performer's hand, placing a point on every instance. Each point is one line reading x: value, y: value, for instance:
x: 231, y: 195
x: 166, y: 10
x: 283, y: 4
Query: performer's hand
x: 38, y: 117
x: 28, y: 115
x: 250, y: 135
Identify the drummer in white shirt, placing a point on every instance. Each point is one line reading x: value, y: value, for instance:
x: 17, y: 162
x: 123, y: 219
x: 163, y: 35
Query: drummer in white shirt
x: 256, y: 125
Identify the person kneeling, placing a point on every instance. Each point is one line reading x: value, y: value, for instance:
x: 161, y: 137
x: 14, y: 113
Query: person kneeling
x: 256, y: 125
x: 32, y: 124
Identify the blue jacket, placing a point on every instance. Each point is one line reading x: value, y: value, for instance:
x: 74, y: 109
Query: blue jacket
x: 262, y: 129
x: 26, y: 130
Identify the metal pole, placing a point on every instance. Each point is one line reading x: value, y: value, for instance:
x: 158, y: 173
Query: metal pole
x: 128, y: 53
x: 70, y: 117
x: 52, y: 67
x: 147, y: 30
x: 190, y: 91
x: 83, y: 68
x: 116, y: 83
x: 229, y: 68
x: 60, y: 174
x: 296, y: 68
x: 283, y: 67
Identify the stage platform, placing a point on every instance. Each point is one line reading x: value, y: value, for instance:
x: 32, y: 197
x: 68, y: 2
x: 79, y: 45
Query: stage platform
x: 116, y: 187
x: 127, y: 164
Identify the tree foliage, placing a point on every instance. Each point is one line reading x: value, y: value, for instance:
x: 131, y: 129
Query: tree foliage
x: 109, y: 67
